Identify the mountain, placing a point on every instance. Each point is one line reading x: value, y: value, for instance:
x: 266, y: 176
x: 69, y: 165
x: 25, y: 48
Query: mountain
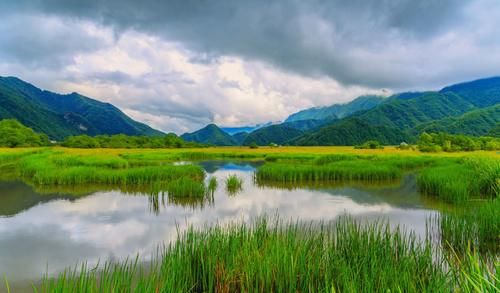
x: 352, y: 131
x: 305, y: 125
x: 481, y: 93
x: 469, y: 108
x: 60, y: 116
x: 210, y: 134
x: 338, y: 111
x: 248, y: 129
x: 476, y: 122
x: 408, y: 113
x: 240, y: 137
x: 279, y: 134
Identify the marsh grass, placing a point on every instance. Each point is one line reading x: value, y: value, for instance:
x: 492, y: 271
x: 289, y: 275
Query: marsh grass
x: 234, y: 184
x: 338, y: 171
x: 272, y: 256
x: 186, y: 187
x: 474, y: 227
x: 60, y: 169
x: 212, y: 185
x: 471, y: 177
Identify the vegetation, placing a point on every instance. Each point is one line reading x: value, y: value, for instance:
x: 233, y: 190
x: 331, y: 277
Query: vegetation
x: 60, y: 116
x: 279, y: 134
x: 56, y: 168
x: 338, y: 111
x: 371, y: 144
x: 186, y: 187
x: 436, y: 142
x: 123, y: 141
x: 268, y: 256
x: 211, y: 135
x: 212, y: 184
x: 477, y: 122
x: 352, y: 131
x: 474, y: 226
x: 471, y: 177
x: 233, y: 184
x: 354, y: 170
x: 14, y: 134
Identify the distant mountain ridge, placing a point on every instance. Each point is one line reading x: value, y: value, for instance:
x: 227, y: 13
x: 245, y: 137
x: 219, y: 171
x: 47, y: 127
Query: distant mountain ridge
x: 338, y: 111
x: 210, y: 134
x: 465, y: 108
x: 60, y: 116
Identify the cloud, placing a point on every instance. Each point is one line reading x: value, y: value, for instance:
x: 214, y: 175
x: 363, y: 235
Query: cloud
x: 181, y: 64
x: 334, y: 38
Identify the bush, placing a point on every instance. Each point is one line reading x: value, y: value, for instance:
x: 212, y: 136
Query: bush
x: 15, y: 134
x: 436, y: 142
x: 371, y: 144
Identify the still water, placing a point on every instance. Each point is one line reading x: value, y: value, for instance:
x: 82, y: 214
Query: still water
x: 45, y: 233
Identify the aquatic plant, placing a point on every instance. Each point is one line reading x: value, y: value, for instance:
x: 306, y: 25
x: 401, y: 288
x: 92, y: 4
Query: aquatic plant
x: 186, y: 187
x: 270, y: 255
x: 233, y: 184
x: 470, y: 177
x: 212, y: 184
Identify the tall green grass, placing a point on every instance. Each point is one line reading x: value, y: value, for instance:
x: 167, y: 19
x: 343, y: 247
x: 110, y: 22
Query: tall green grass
x: 234, y: 184
x: 472, y: 177
x: 475, y: 227
x: 186, y: 187
x: 274, y: 257
x: 53, y: 169
x: 338, y: 171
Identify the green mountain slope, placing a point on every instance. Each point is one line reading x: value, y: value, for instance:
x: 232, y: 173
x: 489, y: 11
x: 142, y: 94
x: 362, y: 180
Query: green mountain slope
x: 481, y: 93
x: 337, y: 110
x: 408, y: 113
x: 352, y: 131
x: 457, y: 109
x: 210, y: 134
x: 62, y: 115
x: 477, y: 122
x: 240, y: 137
x: 279, y: 134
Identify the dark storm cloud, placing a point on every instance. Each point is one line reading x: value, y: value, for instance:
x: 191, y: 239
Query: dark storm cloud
x: 310, y: 37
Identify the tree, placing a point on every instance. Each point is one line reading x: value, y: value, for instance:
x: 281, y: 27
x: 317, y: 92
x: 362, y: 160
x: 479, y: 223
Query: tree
x: 15, y: 134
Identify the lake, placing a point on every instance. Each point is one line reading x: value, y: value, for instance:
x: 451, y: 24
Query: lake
x: 45, y: 233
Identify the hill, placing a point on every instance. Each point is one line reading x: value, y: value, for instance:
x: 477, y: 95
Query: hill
x: 481, y: 93
x: 352, y: 131
x: 210, y: 134
x: 279, y: 134
x: 337, y: 111
x: 60, y: 116
x: 240, y: 137
x: 477, y: 122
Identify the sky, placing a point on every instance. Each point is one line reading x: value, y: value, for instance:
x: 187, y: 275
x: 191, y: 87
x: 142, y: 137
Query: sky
x: 181, y: 64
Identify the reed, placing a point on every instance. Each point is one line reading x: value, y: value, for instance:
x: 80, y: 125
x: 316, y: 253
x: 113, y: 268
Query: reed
x: 272, y: 256
x: 212, y: 184
x: 474, y: 227
x: 472, y: 177
x: 186, y: 187
x: 354, y: 170
x: 234, y: 184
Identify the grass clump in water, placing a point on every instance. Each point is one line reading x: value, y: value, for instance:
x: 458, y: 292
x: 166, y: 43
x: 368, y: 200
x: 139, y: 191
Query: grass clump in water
x: 186, y: 187
x: 338, y: 171
x: 473, y: 177
x: 474, y: 227
x: 234, y: 184
x: 212, y: 184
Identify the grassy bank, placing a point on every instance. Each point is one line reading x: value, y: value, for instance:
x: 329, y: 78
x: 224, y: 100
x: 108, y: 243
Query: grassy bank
x: 269, y: 256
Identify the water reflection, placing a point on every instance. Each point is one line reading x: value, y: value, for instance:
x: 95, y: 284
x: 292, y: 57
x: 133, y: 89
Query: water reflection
x: 52, y: 232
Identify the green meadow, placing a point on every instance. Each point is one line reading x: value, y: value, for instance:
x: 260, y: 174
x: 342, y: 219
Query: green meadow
x: 459, y: 253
